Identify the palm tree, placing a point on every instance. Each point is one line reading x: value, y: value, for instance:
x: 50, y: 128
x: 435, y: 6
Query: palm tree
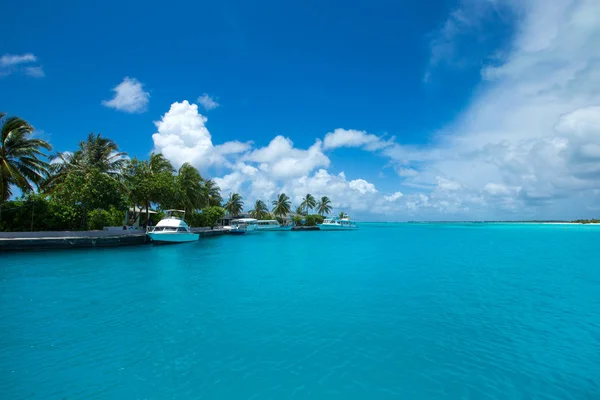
x: 300, y: 210
x: 342, y: 215
x: 211, y: 192
x: 308, y: 202
x: 149, y: 181
x: 189, y: 185
x: 260, y: 210
x: 324, y: 206
x: 20, y: 163
x: 101, y: 153
x: 234, y: 205
x: 282, y: 206
x: 96, y: 152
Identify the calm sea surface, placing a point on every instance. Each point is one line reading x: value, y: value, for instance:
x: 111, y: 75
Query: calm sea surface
x: 435, y: 311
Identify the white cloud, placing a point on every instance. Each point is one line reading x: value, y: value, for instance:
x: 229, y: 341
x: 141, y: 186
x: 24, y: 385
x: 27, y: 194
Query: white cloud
x: 283, y: 161
x: 362, y: 186
x: 528, y: 144
x: 36, y: 72
x: 353, y: 138
x: 207, y: 102
x: 406, y: 172
x: 129, y: 97
x: 462, y: 39
x: 8, y: 60
x: 394, y: 197
x: 526, y: 147
x: 183, y: 137
x: 13, y: 63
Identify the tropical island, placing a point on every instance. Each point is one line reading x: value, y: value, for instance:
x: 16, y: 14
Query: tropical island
x: 98, y: 185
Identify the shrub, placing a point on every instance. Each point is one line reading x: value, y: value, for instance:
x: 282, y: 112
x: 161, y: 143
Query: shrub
x: 97, y: 219
x: 208, y: 217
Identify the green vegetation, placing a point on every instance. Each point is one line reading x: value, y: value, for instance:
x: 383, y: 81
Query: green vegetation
x: 282, y: 206
x: 587, y: 221
x: 234, y: 205
x: 324, y: 206
x: 308, y: 203
x: 20, y: 157
x: 208, y: 216
x: 342, y: 215
x: 260, y: 210
x: 93, y: 187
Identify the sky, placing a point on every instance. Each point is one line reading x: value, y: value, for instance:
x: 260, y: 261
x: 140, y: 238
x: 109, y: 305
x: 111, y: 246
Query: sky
x: 438, y: 110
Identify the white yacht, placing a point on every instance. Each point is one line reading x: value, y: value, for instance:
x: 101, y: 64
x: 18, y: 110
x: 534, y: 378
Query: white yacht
x: 337, y: 224
x: 271, y: 225
x: 243, y: 225
x: 172, y: 229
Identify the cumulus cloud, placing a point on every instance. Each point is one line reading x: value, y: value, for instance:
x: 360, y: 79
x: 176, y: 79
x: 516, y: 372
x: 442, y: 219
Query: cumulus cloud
x: 129, y: 97
x: 283, y: 161
x: 207, y: 102
x: 353, y: 138
x: 526, y: 147
x: 183, y: 137
x: 528, y: 144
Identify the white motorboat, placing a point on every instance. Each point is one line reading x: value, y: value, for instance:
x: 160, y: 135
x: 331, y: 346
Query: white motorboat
x: 243, y: 225
x: 271, y: 225
x: 337, y: 224
x: 172, y: 229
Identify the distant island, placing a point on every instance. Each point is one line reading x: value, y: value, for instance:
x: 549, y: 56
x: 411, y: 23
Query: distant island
x: 577, y: 221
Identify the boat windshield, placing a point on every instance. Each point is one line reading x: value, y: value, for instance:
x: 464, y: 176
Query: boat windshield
x: 165, y: 229
x: 263, y: 223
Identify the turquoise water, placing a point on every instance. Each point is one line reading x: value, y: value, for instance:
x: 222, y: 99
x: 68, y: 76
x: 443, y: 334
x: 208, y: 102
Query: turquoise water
x: 388, y: 311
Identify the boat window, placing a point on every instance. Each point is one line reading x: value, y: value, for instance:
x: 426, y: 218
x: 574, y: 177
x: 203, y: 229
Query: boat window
x: 181, y: 230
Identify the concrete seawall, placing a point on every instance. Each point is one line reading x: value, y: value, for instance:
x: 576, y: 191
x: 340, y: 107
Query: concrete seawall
x: 20, y: 241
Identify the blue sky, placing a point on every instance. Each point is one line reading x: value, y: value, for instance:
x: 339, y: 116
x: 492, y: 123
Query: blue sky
x: 464, y: 109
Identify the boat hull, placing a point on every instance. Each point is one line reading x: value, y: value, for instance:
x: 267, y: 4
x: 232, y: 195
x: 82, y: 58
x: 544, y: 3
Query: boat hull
x: 332, y: 227
x: 274, y: 228
x: 173, y: 237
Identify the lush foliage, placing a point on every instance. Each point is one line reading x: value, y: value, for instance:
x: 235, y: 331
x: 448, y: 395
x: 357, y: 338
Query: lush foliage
x: 342, y: 215
x: 99, y: 218
x: 36, y: 212
x: 209, y: 216
x: 282, y: 206
x: 308, y: 203
x: 324, y: 206
x: 234, y: 205
x: 90, y: 190
x: 149, y: 181
x: 260, y: 210
x: 189, y: 189
x: 212, y: 193
x: 93, y: 187
x: 20, y: 157
x: 308, y: 220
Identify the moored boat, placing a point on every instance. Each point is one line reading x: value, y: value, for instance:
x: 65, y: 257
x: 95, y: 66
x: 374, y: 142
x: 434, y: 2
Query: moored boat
x: 337, y: 224
x: 172, y: 229
x: 271, y: 225
x: 243, y: 225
